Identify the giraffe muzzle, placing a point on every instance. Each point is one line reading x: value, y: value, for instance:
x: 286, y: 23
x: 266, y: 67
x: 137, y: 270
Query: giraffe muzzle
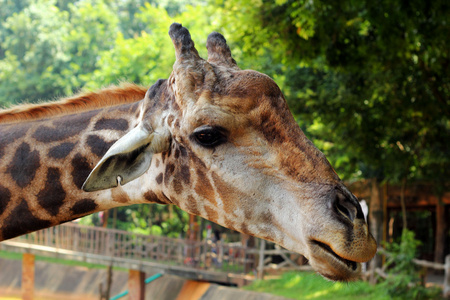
x: 337, y: 250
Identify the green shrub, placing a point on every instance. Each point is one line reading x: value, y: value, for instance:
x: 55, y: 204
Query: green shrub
x: 403, y: 280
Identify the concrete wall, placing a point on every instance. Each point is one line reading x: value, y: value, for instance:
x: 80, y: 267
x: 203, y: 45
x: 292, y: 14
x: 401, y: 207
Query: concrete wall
x: 55, y: 281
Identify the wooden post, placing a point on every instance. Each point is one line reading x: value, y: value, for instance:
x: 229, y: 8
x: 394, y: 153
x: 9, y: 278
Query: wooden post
x: 193, y: 290
x: 385, y: 219
x: 136, y: 285
x: 441, y: 229
x: 247, y: 242
x: 28, y: 276
x: 376, y: 217
x: 446, y: 288
x: 105, y: 292
x: 261, y: 259
x: 105, y: 218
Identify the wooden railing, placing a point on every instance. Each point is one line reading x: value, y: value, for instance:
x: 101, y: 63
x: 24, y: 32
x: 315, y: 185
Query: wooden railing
x: 122, y: 244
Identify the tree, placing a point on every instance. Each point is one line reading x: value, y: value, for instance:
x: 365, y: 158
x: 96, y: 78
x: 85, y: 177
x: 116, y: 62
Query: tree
x: 34, y: 53
x: 94, y: 28
x: 369, y: 78
x: 47, y: 50
x: 142, y: 59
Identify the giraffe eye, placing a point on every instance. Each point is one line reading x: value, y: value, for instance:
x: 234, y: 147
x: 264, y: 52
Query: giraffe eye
x: 210, y: 137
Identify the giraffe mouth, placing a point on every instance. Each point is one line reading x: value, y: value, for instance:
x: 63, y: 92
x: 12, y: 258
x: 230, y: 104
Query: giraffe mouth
x: 332, y: 266
x: 353, y: 265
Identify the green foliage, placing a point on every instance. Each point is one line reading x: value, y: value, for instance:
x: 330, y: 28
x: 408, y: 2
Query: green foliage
x: 93, y: 29
x: 142, y: 59
x: 368, y: 77
x: 165, y: 220
x: 34, y: 53
x: 403, y: 281
x: 301, y: 285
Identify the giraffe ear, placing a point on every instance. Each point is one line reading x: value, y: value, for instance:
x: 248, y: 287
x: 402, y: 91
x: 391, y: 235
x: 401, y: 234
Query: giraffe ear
x: 127, y: 159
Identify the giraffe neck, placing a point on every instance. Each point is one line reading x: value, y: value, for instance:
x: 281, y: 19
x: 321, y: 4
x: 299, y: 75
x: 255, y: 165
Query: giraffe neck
x: 45, y: 162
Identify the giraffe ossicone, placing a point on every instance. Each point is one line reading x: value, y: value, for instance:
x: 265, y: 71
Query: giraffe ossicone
x: 215, y: 140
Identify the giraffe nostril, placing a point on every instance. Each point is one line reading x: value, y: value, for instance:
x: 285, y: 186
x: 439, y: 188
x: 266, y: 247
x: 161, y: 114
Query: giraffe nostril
x: 344, y: 207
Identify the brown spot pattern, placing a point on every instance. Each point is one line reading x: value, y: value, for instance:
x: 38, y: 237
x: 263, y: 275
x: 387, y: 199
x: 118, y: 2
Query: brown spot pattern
x: 204, y: 188
x: 10, y: 134
x: 83, y: 207
x: 22, y: 221
x: 185, y: 174
x: 211, y: 214
x: 97, y: 145
x: 24, y: 165
x: 111, y: 124
x: 170, y: 168
x: 61, y: 151
x: 159, y: 178
x: 81, y: 170
x: 119, y: 195
x: 61, y: 131
x: 150, y: 196
x: 191, y: 204
x: 228, y: 194
x: 52, y: 196
x: 5, y: 197
x: 177, y: 187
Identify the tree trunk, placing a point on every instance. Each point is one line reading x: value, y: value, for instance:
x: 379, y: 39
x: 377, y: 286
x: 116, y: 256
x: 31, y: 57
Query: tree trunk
x: 376, y: 217
x: 105, y: 219
x: 403, y: 204
x: 114, y: 224
x: 441, y: 228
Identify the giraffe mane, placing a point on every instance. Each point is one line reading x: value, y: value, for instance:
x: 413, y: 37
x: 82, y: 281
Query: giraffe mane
x: 109, y: 96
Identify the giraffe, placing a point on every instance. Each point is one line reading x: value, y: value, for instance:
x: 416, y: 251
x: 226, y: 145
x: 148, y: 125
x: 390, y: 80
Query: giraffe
x: 215, y: 140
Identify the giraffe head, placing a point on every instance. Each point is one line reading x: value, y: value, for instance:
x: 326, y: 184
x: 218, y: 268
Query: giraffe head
x: 221, y: 143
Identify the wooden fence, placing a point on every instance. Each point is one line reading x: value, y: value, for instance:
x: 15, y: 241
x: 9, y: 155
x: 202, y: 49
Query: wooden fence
x: 224, y: 257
